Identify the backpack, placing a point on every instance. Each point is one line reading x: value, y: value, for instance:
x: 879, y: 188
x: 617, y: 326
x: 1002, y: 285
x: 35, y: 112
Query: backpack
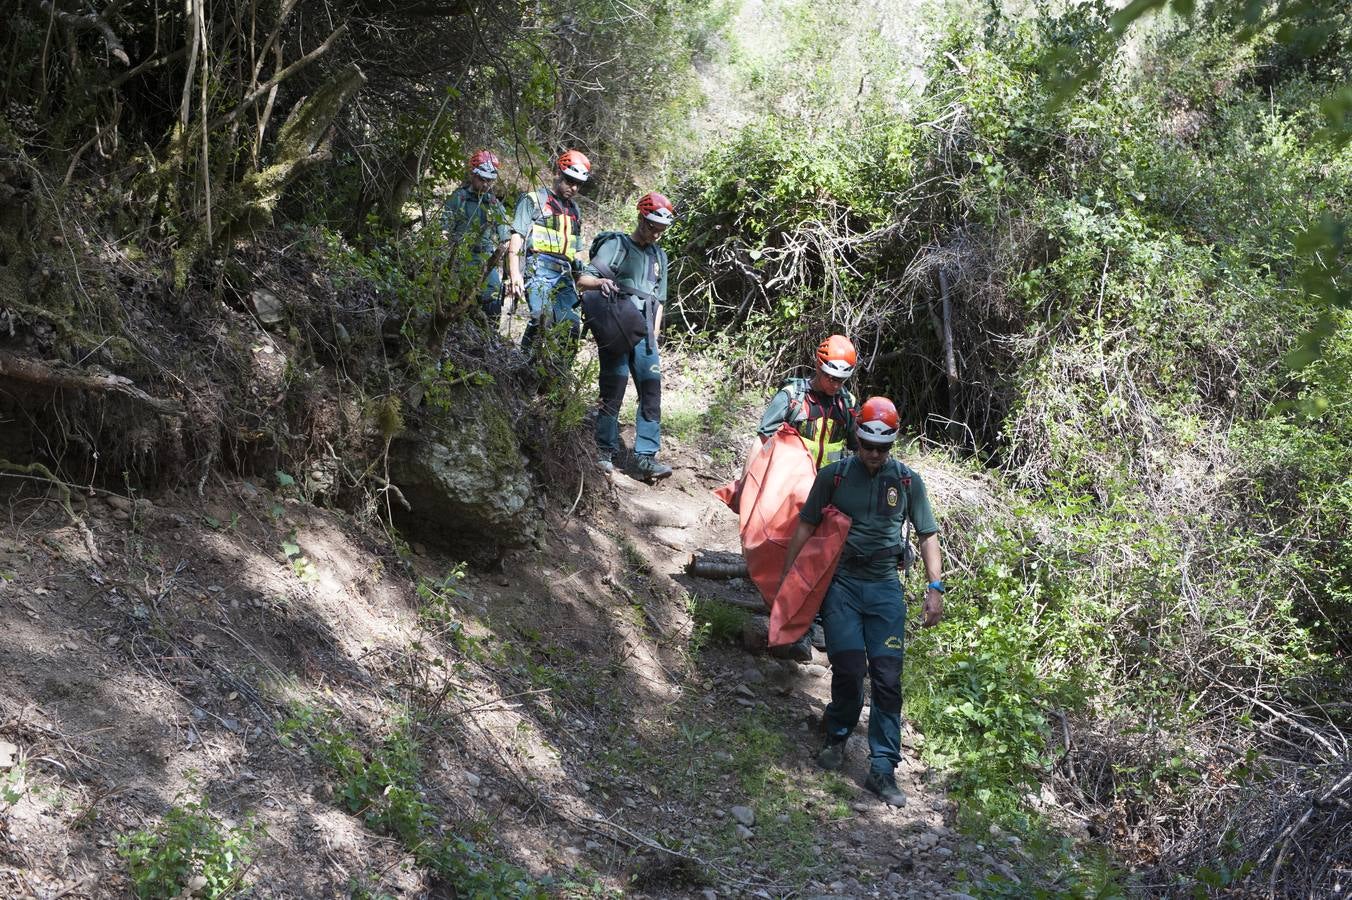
x: 616, y: 323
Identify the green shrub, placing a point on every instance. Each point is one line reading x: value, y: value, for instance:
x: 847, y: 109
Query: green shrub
x: 190, y: 848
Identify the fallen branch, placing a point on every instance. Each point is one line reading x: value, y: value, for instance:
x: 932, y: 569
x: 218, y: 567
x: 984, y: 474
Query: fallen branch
x: 37, y: 468
x: 34, y: 372
x: 703, y: 567
x: 89, y: 22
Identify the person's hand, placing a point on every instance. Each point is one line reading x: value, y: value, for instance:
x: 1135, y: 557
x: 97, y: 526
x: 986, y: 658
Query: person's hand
x: 515, y: 286
x: 933, y: 608
x: 608, y: 287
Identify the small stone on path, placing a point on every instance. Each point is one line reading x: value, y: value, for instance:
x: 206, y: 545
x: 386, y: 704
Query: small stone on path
x: 745, y: 833
x: 744, y: 814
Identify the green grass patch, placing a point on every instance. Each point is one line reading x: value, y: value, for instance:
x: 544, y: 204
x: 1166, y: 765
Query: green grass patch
x: 382, y: 786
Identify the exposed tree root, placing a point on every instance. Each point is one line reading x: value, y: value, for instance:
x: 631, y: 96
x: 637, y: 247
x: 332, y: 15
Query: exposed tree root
x: 35, y: 372
x: 63, y: 489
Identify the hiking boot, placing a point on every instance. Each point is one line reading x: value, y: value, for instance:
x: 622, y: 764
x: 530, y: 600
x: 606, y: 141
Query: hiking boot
x: 799, y: 651
x: 649, y: 469
x: 832, y: 756
x: 884, y: 784
x: 817, y: 635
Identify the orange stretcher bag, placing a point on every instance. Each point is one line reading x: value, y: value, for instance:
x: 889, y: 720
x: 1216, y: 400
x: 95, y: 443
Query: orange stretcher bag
x: 767, y: 498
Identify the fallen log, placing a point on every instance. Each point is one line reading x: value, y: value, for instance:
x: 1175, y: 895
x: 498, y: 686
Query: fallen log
x: 33, y: 371
x: 716, y: 564
x: 713, y: 568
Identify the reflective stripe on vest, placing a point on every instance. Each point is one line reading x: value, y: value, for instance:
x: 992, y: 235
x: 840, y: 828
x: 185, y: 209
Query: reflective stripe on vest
x: 822, y: 435
x: 555, y: 230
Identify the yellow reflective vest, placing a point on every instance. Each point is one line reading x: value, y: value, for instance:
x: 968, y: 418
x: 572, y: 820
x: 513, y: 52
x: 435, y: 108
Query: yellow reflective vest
x: 555, y: 227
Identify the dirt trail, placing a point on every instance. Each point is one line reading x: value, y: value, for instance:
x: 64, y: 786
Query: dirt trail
x: 570, y: 715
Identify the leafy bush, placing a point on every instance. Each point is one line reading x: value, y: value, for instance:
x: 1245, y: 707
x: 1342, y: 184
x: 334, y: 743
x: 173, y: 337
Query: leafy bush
x: 189, y: 851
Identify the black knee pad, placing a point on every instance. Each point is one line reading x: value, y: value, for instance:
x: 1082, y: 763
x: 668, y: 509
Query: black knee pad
x: 650, y: 399
x: 885, y: 673
x: 612, y: 393
x: 848, y: 668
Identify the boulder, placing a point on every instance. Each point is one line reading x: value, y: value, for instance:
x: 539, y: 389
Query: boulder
x: 464, y: 478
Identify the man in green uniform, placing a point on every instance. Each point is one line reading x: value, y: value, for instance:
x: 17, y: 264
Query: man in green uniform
x: 635, y: 267
x: 547, y: 226
x: 475, y: 224
x: 864, y: 608
x: 819, y: 408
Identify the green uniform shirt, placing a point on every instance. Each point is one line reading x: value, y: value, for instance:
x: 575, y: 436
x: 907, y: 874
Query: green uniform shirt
x: 634, y: 268
x: 876, y: 504
x: 480, y: 220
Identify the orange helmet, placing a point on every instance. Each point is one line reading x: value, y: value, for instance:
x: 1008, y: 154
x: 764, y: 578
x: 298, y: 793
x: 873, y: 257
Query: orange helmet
x: 484, y: 164
x: 836, y: 356
x: 575, y: 165
x: 656, y: 208
x: 878, y: 421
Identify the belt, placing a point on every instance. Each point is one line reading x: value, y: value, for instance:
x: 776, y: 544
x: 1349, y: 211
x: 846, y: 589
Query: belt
x: 858, y: 561
x: 551, y: 262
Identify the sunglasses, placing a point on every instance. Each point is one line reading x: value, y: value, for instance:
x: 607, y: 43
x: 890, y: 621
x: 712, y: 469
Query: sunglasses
x: 874, y: 448
x: 573, y: 181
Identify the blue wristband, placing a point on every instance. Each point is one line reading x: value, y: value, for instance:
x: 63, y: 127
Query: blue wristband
x: 936, y: 585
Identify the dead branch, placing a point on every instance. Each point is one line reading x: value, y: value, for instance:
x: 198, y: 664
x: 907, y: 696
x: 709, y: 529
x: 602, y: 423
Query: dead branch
x: 90, y: 22
x: 34, y: 372
x: 262, y: 90
x: 63, y: 489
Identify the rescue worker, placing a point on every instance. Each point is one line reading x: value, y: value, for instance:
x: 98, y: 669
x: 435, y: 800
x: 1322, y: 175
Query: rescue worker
x: 823, y: 411
x: 547, y: 228
x: 635, y: 267
x: 475, y: 224
x: 820, y: 408
x: 864, y: 608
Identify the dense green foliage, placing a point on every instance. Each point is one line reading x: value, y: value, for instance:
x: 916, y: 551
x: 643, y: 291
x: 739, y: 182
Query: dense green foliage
x: 1127, y: 269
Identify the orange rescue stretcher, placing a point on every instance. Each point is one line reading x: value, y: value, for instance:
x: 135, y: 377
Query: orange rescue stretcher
x: 767, y: 498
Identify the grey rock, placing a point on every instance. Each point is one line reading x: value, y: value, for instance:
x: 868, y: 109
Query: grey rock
x: 745, y: 833
x: 927, y: 840
x: 744, y: 691
x: 465, y: 478
x: 744, y: 814
x: 267, y: 306
x: 473, y: 780
x: 756, y: 633
x: 943, y: 852
x: 815, y: 670
x: 117, y: 501
x: 753, y: 676
x: 231, y: 725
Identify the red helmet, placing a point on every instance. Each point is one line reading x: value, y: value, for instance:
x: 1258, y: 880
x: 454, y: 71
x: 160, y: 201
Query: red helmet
x: 575, y: 165
x: 836, y: 356
x: 484, y: 164
x: 656, y: 208
x: 878, y: 421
